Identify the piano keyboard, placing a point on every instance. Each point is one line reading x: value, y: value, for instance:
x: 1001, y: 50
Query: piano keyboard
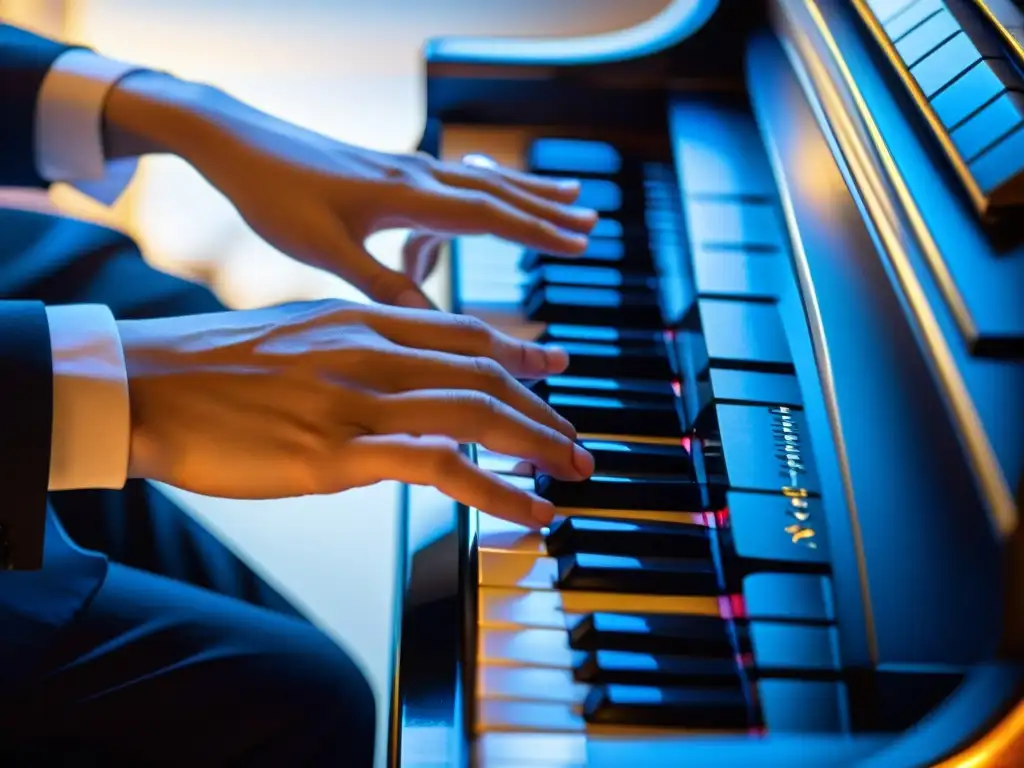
x: 795, y: 346
x: 684, y: 588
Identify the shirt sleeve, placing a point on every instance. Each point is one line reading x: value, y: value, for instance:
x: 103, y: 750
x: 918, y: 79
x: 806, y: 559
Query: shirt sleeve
x: 91, y: 416
x: 69, y: 125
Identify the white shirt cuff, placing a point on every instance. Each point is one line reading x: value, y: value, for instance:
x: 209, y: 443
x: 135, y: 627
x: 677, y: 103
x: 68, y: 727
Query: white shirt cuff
x: 91, y: 417
x: 69, y: 125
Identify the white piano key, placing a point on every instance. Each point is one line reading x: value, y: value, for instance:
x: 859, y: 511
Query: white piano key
x: 530, y: 750
x: 511, y: 608
x: 514, y: 608
x: 496, y: 462
x: 526, y: 648
x: 652, y: 515
x: 529, y: 684
x: 472, y: 293
x: 502, y: 715
x: 516, y: 569
x: 501, y: 535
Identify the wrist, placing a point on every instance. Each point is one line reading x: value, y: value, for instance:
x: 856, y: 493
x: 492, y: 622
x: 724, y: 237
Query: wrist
x: 141, y: 342
x: 155, y: 113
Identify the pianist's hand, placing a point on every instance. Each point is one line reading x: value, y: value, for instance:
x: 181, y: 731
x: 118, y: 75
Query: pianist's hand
x: 317, y: 397
x: 318, y: 199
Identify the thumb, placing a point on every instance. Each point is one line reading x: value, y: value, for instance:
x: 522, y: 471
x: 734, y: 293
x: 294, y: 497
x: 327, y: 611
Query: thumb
x: 420, y: 254
x: 378, y: 282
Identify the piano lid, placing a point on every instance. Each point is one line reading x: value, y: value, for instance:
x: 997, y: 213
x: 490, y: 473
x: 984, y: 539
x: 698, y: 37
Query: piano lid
x: 677, y: 21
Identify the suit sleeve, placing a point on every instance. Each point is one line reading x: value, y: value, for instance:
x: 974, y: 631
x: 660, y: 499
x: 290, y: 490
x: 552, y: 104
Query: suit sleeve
x: 25, y: 60
x: 26, y: 407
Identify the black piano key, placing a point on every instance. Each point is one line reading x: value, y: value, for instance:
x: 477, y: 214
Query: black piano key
x: 766, y: 449
x: 777, y: 532
x: 636, y: 538
x: 630, y: 668
x: 706, y: 636
x: 604, y: 196
x: 645, y: 390
x: 788, y: 650
x: 614, y: 492
x: 639, y: 459
x: 612, y: 229
x: 617, y: 416
x: 594, y: 359
x: 629, y: 254
x: 651, y: 576
x: 693, y: 708
x: 788, y: 597
x: 591, y: 276
x: 574, y: 157
x: 737, y: 334
x: 724, y: 385
x: 593, y: 306
x: 559, y: 333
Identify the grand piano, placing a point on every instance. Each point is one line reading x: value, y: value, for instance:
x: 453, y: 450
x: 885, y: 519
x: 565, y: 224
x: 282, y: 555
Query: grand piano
x: 797, y: 345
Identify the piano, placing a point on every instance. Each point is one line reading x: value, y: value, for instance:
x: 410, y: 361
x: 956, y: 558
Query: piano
x: 797, y: 345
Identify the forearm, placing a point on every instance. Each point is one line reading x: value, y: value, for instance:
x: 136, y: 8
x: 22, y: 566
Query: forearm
x: 155, y: 113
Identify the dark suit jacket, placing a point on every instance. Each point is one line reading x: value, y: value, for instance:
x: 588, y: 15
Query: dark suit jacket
x: 44, y: 579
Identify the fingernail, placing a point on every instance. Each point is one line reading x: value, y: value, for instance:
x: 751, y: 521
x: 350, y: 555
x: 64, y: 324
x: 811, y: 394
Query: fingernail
x: 556, y: 358
x: 542, y: 510
x: 577, y: 212
x: 583, y: 461
x: 569, y: 185
x: 413, y: 300
x: 576, y: 242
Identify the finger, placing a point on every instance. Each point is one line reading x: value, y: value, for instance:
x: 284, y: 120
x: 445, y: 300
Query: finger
x: 566, y: 217
x: 470, y: 336
x: 560, y: 190
x: 420, y: 254
x: 408, y: 371
x: 455, y: 211
x: 439, y: 463
x: 357, y: 265
x: 473, y: 417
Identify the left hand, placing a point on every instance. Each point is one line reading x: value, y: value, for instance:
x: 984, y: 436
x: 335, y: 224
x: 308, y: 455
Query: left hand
x: 317, y: 199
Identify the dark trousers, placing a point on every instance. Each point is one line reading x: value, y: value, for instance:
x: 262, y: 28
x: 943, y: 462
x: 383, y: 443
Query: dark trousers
x: 184, y: 657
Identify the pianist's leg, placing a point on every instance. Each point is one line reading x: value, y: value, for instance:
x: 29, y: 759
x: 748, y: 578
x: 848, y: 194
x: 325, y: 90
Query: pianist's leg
x: 163, y: 662
x: 156, y: 672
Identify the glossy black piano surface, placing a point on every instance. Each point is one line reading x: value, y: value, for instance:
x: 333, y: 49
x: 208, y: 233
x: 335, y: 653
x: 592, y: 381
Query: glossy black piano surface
x: 797, y: 350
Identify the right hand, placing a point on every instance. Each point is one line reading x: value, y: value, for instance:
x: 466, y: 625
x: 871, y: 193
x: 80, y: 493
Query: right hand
x: 319, y: 397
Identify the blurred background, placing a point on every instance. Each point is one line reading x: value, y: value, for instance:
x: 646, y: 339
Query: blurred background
x: 350, y: 69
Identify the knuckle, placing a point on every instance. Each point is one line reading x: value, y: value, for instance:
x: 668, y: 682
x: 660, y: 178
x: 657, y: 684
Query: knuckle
x: 489, y: 370
x: 480, y: 202
x: 387, y: 285
x: 403, y: 171
x: 443, y: 459
x: 312, y: 461
x: 477, y: 403
x: 472, y: 326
